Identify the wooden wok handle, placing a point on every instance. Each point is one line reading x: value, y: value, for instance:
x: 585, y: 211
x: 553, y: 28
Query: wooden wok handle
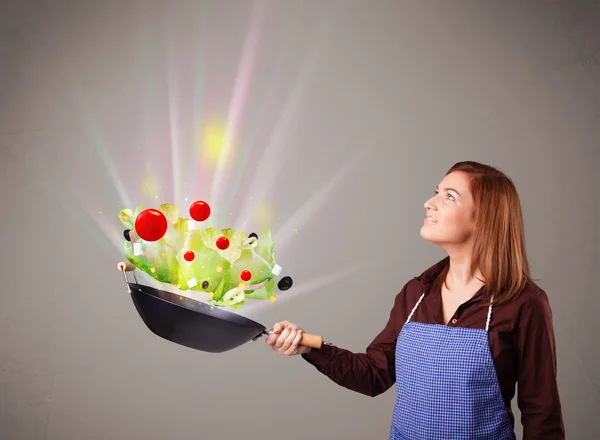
x: 313, y: 341
x: 125, y: 266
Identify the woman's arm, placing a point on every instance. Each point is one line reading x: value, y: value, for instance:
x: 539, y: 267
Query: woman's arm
x: 371, y: 373
x: 538, y: 398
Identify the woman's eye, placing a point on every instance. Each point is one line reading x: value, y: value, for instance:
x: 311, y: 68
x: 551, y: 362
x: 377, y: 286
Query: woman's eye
x: 450, y: 196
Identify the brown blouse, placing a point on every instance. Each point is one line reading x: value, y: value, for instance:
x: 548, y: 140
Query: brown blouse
x: 521, y: 339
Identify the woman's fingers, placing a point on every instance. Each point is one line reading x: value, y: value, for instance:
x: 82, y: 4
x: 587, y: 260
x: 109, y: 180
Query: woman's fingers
x: 271, y: 339
x: 295, y: 342
x: 277, y: 329
x: 286, y: 338
x: 282, y: 338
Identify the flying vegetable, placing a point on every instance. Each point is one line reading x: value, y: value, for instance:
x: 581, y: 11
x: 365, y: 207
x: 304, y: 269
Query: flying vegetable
x: 230, y: 266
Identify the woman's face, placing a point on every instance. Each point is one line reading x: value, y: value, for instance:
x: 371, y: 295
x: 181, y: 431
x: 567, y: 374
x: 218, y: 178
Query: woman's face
x: 449, y: 217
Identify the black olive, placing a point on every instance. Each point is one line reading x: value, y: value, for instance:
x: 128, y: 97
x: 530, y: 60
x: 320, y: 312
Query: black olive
x: 253, y: 235
x: 285, y: 283
x: 126, y: 235
x: 205, y: 285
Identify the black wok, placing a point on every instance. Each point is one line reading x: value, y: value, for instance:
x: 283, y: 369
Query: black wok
x: 195, y: 324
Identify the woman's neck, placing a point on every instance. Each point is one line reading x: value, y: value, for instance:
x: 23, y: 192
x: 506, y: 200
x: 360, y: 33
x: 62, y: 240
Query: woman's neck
x: 459, y: 273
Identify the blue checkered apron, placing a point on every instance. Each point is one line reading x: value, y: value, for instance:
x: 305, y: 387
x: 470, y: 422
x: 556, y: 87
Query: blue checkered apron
x: 447, y: 385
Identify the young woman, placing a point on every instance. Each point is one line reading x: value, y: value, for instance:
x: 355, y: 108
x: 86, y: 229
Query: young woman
x: 465, y: 333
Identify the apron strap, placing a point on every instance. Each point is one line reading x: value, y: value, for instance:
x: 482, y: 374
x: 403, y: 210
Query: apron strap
x: 489, y: 317
x: 415, y: 307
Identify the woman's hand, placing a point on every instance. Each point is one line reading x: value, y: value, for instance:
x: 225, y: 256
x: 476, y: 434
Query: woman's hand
x: 286, y: 338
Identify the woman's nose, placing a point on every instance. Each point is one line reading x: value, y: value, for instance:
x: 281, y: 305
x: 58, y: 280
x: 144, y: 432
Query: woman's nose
x: 430, y: 203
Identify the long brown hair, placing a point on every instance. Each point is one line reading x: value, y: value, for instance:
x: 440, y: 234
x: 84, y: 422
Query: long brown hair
x: 499, y: 243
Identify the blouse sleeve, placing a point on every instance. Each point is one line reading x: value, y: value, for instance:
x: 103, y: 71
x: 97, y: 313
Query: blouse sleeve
x: 370, y: 373
x: 538, y: 397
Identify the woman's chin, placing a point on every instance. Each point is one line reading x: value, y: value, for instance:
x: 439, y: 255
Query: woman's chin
x: 424, y: 232
x: 427, y: 235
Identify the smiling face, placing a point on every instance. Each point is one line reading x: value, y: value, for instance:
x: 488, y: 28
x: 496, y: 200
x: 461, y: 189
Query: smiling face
x: 450, y: 214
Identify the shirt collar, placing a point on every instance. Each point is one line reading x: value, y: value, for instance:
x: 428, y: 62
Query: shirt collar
x: 429, y: 276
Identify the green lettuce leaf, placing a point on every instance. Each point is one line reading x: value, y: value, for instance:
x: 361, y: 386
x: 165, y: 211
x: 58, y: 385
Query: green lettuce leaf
x: 181, y: 226
x: 139, y: 209
x: 219, y: 292
x: 172, y: 240
x: 159, y: 264
x: 232, y: 253
x: 264, y: 292
x: 126, y: 217
x: 204, y: 266
x: 248, y: 260
x: 266, y: 246
x: 171, y: 212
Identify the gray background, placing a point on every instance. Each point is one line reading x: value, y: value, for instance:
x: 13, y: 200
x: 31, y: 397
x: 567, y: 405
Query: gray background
x: 346, y: 116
